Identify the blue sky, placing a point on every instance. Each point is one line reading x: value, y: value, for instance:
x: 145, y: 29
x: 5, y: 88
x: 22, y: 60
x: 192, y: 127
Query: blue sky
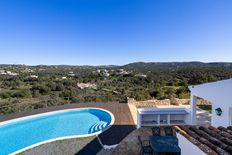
x: 101, y: 32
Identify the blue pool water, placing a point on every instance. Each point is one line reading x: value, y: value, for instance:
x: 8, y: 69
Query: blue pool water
x: 23, y: 133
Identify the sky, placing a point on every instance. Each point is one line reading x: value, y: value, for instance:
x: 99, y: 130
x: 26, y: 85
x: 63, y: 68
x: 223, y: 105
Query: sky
x: 106, y: 32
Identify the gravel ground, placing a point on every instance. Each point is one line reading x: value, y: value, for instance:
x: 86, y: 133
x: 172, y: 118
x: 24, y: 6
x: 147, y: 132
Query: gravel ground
x: 61, y: 147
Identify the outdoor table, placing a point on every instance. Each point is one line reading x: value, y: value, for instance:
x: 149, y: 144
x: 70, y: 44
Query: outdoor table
x: 165, y: 144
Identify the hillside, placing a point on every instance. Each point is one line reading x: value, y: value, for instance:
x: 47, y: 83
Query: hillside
x: 30, y: 87
x: 174, y: 66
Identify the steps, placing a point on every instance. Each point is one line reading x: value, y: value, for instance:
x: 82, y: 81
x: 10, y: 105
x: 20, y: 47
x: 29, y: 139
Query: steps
x: 98, y: 126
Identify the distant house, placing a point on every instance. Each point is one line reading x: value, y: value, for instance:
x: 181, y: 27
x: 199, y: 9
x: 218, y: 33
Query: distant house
x: 12, y: 74
x: 86, y: 85
x: 28, y: 70
x: 141, y: 75
x: 71, y: 74
x: 98, y: 71
x: 122, y: 72
x: 34, y: 76
x: 219, y: 94
x: 105, y: 73
x: 2, y: 72
x: 64, y: 78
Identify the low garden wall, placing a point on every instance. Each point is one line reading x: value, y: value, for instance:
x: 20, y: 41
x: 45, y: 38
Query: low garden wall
x: 174, y: 101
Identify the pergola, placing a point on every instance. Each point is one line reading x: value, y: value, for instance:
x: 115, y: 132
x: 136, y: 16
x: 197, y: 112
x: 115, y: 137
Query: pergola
x: 219, y: 93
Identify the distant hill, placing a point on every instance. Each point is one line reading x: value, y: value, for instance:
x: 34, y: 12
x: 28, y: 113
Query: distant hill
x: 172, y: 66
x: 140, y: 66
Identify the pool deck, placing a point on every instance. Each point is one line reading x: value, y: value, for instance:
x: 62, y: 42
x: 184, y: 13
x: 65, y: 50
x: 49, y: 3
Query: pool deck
x: 123, y: 125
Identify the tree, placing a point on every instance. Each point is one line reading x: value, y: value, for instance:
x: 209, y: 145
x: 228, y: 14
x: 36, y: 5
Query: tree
x: 170, y: 93
x: 5, y: 95
x: 22, y: 94
x: 43, y: 89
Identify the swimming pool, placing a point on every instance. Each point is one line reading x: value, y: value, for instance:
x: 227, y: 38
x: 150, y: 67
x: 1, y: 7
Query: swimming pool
x: 21, y: 134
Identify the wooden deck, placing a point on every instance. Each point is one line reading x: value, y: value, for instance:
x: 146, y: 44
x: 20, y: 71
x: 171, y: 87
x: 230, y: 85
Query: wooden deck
x: 120, y: 110
x: 123, y: 124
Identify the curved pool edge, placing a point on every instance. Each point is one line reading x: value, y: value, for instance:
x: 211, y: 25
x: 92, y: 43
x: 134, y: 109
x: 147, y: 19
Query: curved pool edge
x: 59, y: 138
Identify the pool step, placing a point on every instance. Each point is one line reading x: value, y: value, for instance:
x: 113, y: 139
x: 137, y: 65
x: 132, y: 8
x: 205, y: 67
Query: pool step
x: 97, y: 127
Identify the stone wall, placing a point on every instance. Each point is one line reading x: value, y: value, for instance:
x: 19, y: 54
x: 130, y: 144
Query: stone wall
x: 175, y: 101
x: 148, y: 103
x: 203, y: 102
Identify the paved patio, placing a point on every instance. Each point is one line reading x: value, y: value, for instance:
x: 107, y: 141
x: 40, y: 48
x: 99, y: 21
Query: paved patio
x: 124, y: 125
x: 130, y: 145
x: 203, y: 117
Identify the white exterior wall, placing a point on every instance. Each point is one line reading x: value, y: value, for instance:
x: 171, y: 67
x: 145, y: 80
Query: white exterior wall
x: 154, y: 116
x: 188, y: 118
x: 138, y: 120
x: 193, y: 104
x: 230, y: 115
x: 220, y: 95
x: 188, y: 148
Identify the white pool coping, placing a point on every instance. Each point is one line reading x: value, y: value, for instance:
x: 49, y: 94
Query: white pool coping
x: 59, y: 138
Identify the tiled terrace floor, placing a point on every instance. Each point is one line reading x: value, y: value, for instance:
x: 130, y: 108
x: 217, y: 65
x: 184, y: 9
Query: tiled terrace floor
x: 130, y: 145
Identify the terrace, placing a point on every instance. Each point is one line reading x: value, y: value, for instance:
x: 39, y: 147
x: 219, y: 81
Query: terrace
x: 125, y: 125
x: 200, y: 139
x: 193, y: 131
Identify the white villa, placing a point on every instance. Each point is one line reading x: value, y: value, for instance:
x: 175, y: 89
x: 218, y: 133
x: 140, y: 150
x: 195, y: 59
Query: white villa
x: 200, y: 139
x: 219, y: 93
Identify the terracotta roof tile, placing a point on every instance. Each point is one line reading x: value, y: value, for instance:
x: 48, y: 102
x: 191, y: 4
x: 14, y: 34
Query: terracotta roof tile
x: 209, y: 139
